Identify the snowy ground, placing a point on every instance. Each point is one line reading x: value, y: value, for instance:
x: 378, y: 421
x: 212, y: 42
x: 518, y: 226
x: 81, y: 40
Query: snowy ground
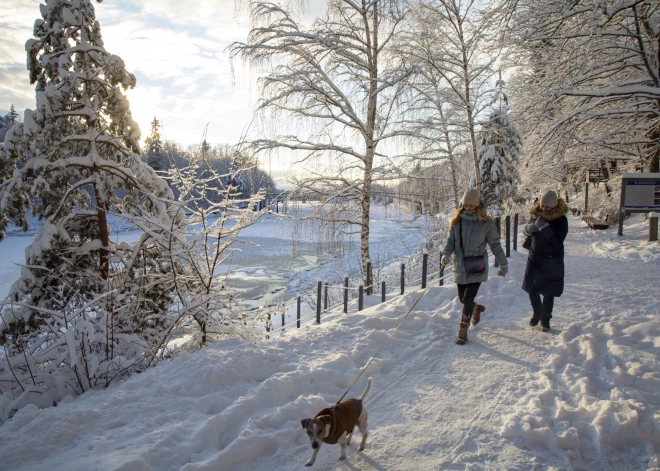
x: 584, y: 397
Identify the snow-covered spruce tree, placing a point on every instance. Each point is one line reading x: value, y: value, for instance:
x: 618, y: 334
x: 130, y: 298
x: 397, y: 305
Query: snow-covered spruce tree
x: 339, y: 81
x: 12, y: 117
x: 86, y: 310
x: 499, y: 156
x: 155, y: 155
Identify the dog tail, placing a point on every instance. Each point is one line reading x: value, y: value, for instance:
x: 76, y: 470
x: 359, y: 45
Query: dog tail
x: 364, y: 394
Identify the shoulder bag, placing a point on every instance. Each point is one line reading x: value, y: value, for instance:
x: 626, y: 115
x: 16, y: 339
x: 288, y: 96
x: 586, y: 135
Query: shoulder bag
x: 473, y: 265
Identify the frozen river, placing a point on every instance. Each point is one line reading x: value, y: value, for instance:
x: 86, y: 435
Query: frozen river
x: 273, y: 264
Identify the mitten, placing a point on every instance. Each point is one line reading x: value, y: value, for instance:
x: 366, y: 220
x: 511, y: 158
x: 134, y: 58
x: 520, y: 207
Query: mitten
x: 503, y: 270
x: 529, y: 229
x: 541, y: 223
x: 445, y: 259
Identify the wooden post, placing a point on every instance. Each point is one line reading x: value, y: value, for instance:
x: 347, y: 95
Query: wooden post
x: 277, y: 206
x: 403, y: 277
x: 319, y: 285
x: 298, y: 312
x: 653, y: 228
x: 382, y: 291
x: 283, y: 319
x: 586, y: 196
x: 369, y: 291
x: 423, y: 213
x: 345, y: 294
x: 325, y: 297
x: 360, y: 297
x: 441, y: 273
x: 507, y: 226
x: 425, y: 262
x: 515, y: 232
x: 268, y: 325
x: 498, y: 224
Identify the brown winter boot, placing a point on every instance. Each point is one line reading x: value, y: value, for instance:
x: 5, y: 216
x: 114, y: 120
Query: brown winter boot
x: 462, y: 333
x: 476, y: 314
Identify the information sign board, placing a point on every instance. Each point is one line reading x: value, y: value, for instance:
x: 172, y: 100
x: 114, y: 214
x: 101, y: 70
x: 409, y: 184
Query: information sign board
x: 640, y: 193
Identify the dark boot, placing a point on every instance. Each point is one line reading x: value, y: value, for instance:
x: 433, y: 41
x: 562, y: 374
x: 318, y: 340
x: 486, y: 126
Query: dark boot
x: 534, y: 321
x: 462, y: 339
x: 476, y: 314
x: 545, y: 322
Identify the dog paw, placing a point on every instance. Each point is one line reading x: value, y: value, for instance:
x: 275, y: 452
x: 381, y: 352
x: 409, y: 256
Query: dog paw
x: 309, y: 463
x: 342, y: 457
x: 361, y: 448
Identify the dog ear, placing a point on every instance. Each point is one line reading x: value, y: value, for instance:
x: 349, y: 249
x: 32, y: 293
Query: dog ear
x: 305, y: 422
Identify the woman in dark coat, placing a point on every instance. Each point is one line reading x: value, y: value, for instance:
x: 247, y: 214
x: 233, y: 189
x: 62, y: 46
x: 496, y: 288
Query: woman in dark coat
x: 544, y: 273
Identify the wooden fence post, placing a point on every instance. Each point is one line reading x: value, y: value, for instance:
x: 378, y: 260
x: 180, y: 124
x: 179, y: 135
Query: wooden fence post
x: 369, y: 278
x: 382, y: 291
x: 403, y: 277
x: 498, y: 224
x: 360, y: 297
x: 515, y: 232
x: 425, y: 261
x: 345, y: 294
x: 507, y: 227
x: 441, y: 272
x: 298, y: 312
x: 319, y: 285
x: 325, y: 297
x: 653, y: 228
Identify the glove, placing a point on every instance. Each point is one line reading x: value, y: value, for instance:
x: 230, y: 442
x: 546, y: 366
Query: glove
x: 541, y: 223
x: 444, y: 260
x: 529, y: 229
x: 503, y: 270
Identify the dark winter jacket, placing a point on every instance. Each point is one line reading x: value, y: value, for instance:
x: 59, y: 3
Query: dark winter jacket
x: 476, y: 234
x: 545, y: 261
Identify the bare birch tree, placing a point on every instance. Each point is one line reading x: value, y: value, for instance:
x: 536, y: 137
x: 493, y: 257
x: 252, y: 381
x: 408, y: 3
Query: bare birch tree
x: 455, y: 43
x: 338, y: 82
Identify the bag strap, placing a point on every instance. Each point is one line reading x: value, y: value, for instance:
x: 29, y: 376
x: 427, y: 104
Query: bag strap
x: 460, y: 229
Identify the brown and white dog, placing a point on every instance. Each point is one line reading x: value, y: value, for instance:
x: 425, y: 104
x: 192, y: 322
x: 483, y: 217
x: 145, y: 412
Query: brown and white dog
x: 335, y: 425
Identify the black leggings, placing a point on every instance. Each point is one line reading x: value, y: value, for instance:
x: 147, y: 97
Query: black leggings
x: 466, y: 294
x: 542, y: 309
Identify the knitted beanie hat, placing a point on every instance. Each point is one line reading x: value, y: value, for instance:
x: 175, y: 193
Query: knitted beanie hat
x: 471, y: 197
x: 550, y: 199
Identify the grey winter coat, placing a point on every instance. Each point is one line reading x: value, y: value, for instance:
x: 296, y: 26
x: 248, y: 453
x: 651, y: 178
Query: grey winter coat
x: 475, y: 236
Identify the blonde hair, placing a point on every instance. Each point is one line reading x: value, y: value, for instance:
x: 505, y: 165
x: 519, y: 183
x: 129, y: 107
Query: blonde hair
x: 481, y: 214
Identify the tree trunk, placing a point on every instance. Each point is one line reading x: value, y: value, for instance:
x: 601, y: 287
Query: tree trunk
x: 104, y: 233
x: 369, y: 143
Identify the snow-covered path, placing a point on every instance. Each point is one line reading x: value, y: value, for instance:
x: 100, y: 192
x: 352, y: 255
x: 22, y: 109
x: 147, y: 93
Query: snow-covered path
x: 582, y: 398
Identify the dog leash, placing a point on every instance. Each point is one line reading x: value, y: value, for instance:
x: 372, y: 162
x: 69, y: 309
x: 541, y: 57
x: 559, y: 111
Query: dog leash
x: 389, y: 338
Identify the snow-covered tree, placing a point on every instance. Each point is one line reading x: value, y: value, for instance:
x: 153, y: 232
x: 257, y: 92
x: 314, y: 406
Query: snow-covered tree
x: 593, y: 68
x: 86, y: 310
x: 340, y: 82
x: 499, y: 156
x: 155, y: 155
x: 456, y: 44
x: 12, y: 117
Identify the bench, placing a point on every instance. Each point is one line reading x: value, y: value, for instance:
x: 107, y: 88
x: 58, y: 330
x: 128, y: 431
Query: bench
x: 595, y: 223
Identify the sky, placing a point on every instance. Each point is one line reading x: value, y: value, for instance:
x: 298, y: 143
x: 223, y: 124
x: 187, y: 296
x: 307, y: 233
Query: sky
x: 176, y: 49
x: 582, y: 397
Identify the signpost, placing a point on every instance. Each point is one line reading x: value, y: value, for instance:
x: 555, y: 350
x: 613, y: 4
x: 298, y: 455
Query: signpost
x: 640, y: 193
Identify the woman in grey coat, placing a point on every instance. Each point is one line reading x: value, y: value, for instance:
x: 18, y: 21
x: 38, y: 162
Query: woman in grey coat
x: 477, y: 229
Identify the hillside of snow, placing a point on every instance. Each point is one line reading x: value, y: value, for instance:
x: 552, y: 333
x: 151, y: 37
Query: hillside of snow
x: 584, y: 397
